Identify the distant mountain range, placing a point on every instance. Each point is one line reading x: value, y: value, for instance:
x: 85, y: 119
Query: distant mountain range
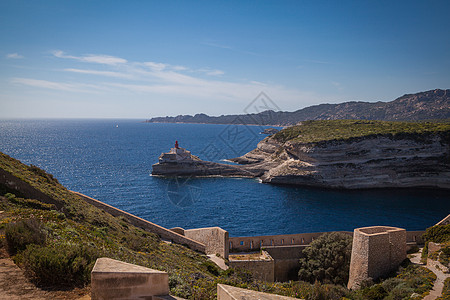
x: 429, y: 105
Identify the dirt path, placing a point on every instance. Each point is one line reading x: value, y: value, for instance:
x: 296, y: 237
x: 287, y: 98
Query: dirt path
x: 436, y: 268
x: 14, y: 285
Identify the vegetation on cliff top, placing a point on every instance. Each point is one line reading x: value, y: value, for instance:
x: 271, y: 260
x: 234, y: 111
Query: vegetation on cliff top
x: 320, y: 131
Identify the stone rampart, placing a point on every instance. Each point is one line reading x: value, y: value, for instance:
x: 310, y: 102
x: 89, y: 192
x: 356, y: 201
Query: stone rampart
x: 415, y: 237
x: 376, y: 251
x: 164, y: 233
x: 214, y: 238
x: 444, y: 221
x: 261, y: 269
x: 252, y: 243
x: 26, y: 190
x: 286, y: 261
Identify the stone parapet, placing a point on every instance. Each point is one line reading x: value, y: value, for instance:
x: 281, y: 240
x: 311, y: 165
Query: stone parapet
x: 164, y: 233
x: 262, y: 268
x: 113, y: 279
x: 214, y: 238
x: 253, y: 243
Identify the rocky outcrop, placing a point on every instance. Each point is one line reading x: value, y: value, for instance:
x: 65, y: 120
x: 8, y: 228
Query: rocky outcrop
x: 365, y: 162
x: 206, y: 168
x: 340, y: 154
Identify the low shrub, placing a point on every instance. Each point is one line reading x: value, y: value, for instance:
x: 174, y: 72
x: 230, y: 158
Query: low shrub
x: 444, y: 257
x: 59, y: 265
x: 327, y: 259
x: 437, y: 234
x: 23, y: 233
x: 376, y: 292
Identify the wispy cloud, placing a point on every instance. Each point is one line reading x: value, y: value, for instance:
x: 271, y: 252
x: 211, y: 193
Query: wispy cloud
x: 45, y: 84
x: 14, y: 56
x: 152, y: 78
x: 216, y: 45
x: 92, y: 58
x: 101, y: 73
x: 321, y: 62
x: 337, y: 85
x: 226, y: 47
x: 211, y: 72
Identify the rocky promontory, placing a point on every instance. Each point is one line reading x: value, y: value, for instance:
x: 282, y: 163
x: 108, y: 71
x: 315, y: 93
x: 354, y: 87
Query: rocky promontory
x: 356, y: 154
x: 349, y: 154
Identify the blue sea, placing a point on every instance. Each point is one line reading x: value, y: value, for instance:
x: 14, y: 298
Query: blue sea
x: 111, y: 160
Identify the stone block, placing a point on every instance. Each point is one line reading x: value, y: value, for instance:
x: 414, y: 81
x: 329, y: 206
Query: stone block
x: 113, y: 279
x: 226, y: 292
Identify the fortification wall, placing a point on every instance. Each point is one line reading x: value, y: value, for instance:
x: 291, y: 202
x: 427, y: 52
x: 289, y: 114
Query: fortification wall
x: 263, y: 269
x: 286, y: 261
x: 444, y: 221
x: 26, y: 190
x: 415, y: 237
x: 146, y: 225
x: 376, y: 251
x: 251, y: 243
x: 214, y: 238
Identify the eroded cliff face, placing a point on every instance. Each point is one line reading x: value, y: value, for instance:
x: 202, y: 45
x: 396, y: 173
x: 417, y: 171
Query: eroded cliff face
x: 367, y: 162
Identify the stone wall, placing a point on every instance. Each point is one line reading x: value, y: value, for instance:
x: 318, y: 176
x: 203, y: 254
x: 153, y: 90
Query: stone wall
x: 164, y: 233
x: 23, y: 189
x: 415, y: 237
x: 214, y: 238
x: 252, y: 243
x: 444, y: 221
x: 263, y: 269
x: 376, y: 251
x: 286, y: 261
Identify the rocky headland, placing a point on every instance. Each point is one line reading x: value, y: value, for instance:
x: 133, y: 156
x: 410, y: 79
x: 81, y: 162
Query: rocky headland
x: 347, y: 154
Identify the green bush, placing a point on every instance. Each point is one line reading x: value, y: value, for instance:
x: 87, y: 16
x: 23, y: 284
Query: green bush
x: 437, y: 234
x: 23, y: 233
x: 66, y: 265
x: 375, y: 292
x: 327, y: 259
x: 444, y: 257
x: 401, y: 291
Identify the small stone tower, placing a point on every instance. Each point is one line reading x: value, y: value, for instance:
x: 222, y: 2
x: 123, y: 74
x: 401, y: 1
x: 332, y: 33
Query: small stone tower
x: 376, y: 251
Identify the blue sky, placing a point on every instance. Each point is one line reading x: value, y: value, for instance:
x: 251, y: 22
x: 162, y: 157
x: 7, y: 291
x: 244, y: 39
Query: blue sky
x: 139, y: 59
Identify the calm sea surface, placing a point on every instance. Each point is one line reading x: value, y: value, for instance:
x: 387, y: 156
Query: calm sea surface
x: 111, y: 160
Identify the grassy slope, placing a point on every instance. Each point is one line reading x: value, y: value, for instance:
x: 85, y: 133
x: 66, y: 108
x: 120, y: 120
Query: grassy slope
x: 320, y: 131
x: 190, y: 274
x: 84, y: 224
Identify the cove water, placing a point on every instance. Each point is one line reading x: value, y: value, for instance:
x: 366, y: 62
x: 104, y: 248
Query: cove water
x: 111, y: 161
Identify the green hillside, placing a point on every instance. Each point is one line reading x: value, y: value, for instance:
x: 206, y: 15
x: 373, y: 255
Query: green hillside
x: 76, y: 233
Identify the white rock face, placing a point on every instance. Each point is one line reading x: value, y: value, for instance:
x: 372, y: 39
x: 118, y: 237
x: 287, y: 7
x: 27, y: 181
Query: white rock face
x: 369, y: 162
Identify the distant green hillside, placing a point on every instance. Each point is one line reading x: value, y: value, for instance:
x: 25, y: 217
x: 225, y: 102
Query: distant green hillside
x: 320, y: 131
x: 433, y: 104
